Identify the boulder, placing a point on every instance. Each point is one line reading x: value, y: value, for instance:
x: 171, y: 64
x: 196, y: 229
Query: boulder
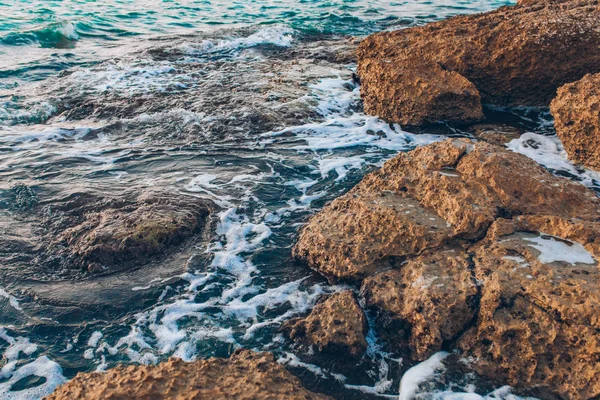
x: 426, y: 303
x: 539, y: 318
x: 336, y: 325
x: 418, y: 93
x: 511, y: 56
x: 133, y: 232
x: 576, y: 111
x: 246, y: 375
x: 466, y: 245
x: 447, y: 192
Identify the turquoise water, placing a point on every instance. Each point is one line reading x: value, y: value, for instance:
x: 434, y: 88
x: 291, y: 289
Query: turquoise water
x: 39, y: 38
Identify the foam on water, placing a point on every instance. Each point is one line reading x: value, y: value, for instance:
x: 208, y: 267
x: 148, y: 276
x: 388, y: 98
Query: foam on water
x: 12, y: 300
x: 554, y: 250
x: 42, y: 366
x: 409, y: 385
x: 277, y: 35
x: 549, y: 152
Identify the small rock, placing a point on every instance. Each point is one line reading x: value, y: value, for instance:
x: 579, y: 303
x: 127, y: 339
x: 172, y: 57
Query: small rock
x: 336, y: 325
x: 576, y: 111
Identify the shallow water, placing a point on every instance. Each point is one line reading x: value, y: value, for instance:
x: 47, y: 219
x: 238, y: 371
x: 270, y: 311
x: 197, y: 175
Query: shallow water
x: 250, y: 104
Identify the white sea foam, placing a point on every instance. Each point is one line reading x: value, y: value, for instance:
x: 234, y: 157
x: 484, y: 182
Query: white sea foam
x: 409, y: 385
x: 12, y: 300
x: 549, y: 152
x: 553, y: 250
x: 42, y: 367
x: 278, y: 35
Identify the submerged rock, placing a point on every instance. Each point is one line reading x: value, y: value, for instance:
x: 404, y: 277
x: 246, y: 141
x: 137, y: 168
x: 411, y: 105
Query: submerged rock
x: 246, y: 375
x: 336, y: 325
x: 576, y: 111
x: 514, y: 55
x: 467, y: 245
x: 72, y: 235
x: 134, y: 232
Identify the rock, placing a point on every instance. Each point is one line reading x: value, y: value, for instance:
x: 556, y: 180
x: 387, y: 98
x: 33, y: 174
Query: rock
x: 539, y: 315
x: 68, y: 236
x: 246, y: 375
x: 419, y: 93
x: 513, y: 56
x: 135, y: 232
x: 466, y: 245
x: 450, y: 191
x: 427, y: 302
x: 336, y: 325
x: 498, y: 134
x: 576, y: 111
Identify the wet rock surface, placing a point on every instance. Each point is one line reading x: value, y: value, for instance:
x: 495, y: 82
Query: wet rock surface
x: 80, y: 234
x: 576, y: 112
x: 336, y: 325
x: 246, y: 375
x: 511, y: 56
x: 467, y: 245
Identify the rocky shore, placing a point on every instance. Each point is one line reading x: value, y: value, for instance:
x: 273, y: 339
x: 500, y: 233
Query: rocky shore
x: 460, y: 246
x: 463, y: 245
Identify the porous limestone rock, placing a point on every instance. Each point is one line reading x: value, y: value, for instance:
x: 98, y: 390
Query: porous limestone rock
x: 515, y: 55
x: 466, y: 245
x: 576, y: 111
x: 246, y: 375
x: 450, y: 191
x: 336, y: 325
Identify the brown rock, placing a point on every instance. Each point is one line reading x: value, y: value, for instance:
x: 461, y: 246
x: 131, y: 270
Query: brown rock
x: 447, y: 191
x: 576, y: 111
x: 337, y: 325
x: 427, y: 302
x: 419, y: 93
x: 514, y: 56
x: 133, y: 232
x: 539, y: 318
x: 246, y: 375
x: 484, y: 275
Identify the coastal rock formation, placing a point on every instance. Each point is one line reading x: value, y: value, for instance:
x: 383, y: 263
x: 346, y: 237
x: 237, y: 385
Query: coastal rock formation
x: 134, y: 232
x: 539, y: 314
x: 418, y: 93
x: 246, y: 375
x: 450, y: 191
x: 427, y: 302
x: 513, y: 56
x: 467, y: 245
x: 69, y: 236
x: 576, y: 111
x: 337, y: 324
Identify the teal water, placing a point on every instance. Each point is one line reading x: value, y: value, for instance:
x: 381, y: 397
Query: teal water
x: 245, y: 103
x: 39, y: 38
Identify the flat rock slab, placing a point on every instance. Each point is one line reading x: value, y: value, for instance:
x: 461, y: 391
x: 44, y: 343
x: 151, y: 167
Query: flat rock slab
x: 244, y: 376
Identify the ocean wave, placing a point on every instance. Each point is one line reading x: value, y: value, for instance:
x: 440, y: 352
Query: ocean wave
x: 53, y: 35
x: 277, y: 35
